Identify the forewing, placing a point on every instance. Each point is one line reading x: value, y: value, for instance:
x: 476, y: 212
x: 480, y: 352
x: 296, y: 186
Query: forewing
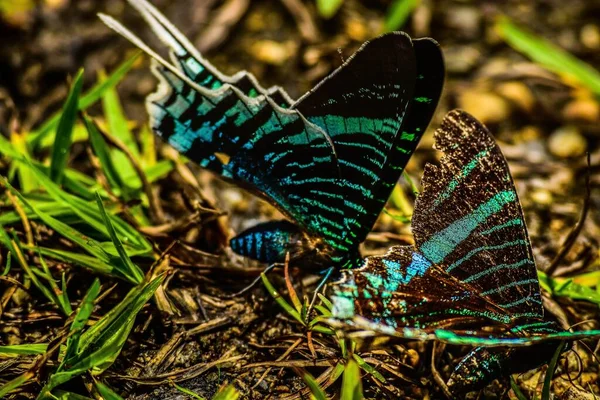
x: 362, y: 106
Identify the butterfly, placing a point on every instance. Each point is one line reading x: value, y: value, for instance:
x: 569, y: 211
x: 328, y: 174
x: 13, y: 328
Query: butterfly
x: 328, y: 161
x: 470, y: 278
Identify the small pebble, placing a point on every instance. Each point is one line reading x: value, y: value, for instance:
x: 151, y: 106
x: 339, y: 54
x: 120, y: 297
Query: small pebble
x: 590, y: 36
x: 461, y: 59
x: 485, y: 106
x: 271, y: 52
x: 518, y: 93
x: 542, y: 197
x: 465, y: 20
x: 566, y: 142
x: 583, y: 109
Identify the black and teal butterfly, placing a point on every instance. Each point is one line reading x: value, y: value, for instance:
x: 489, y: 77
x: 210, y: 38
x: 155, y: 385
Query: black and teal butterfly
x: 328, y: 161
x: 471, y: 277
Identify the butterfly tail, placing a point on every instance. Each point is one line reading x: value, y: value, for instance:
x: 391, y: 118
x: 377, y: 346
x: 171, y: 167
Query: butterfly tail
x: 192, y: 64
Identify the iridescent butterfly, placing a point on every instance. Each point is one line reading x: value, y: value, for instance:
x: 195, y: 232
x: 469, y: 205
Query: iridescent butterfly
x: 328, y: 160
x: 470, y: 277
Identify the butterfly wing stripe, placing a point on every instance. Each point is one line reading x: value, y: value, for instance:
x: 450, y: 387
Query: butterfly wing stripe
x: 510, y: 285
x: 519, y: 242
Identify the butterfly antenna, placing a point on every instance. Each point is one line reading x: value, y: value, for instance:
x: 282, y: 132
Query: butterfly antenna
x: 254, y: 282
x: 570, y: 240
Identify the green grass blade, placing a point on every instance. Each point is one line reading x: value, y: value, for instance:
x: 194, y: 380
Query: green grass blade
x: 227, y: 393
x: 280, y: 300
x: 106, y: 392
x: 102, y: 151
x: 59, y: 295
x: 131, y: 270
x: 101, y: 344
x: 23, y: 349
x: 19, y: 144
x: 328, y: 8
x: 87, y: 243
x: 89, y: 98
x: 82, y: 260
x: 8, y: 262
x: 568, y: 288
x: 549, y: 55
x: 81, y: 318
x: 31, y: 271
x: 550, y: 372
x: 117, y: 122
x: 351, y: 383
x: 313, y: 385
x: 148, y: 141
x: 516, y: 390
x: 368, y: 368
x: 338, y: 370
x: 15, y: 383
x: 64, y: 131
x: 64, y: 395
x: 188, y: 392
x: 398, y: 13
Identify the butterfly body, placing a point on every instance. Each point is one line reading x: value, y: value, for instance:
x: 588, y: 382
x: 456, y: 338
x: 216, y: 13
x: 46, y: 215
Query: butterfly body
x: 328, y: 161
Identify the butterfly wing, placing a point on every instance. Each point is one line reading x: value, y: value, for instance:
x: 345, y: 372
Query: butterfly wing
x: 470, y: 238
x: 252, y: 141
x: 403, y: 289
x: 468, y: 219
x: 375, y: 108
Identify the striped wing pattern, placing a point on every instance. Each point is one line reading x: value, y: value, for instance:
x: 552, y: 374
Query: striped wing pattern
x: 328, y: 161
x: 471, y: 267
x: 248, y: 140
x: 469, y: 221
x: 471, y: 251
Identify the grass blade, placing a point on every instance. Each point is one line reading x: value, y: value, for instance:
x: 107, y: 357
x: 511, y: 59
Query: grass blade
x: 328, y: 8
x: 102, y: 151
x: 100, y: 344
x: 131, y: 270
x: 351, y: 383
x: 106, y: 392
x: 398, y: 13
x: 64, y: 131
x: 550, y: 372
x: 227, y: 393
x: 549, y: 55
x: 81, y: 318
x: 23, y: 349
x: 89, y: 98
x: 280, y: 300
x: 516, y: 390
x: 313, y: 385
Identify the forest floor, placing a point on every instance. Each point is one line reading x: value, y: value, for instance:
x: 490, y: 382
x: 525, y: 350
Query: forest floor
x: 191, y: 333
